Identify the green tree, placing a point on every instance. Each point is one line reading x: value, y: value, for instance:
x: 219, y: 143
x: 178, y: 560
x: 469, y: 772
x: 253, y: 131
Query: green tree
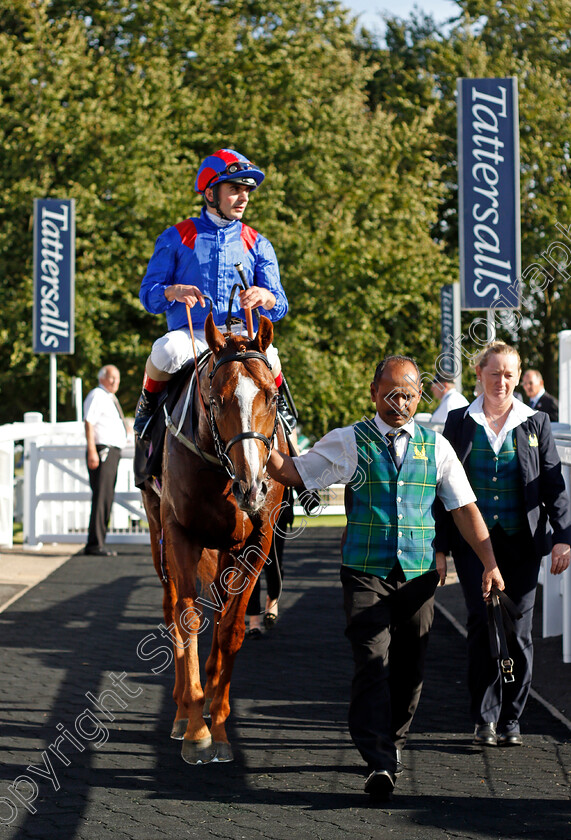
x: 114, y: 103
x: 78, y: 123
x: 529, y: 40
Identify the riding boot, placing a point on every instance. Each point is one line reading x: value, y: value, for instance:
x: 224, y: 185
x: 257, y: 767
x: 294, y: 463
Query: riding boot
x: 146, y: 407
x: 286, y: 408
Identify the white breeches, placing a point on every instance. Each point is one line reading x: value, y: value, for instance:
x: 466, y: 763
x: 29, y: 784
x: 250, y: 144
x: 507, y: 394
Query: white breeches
x: 172, y: 350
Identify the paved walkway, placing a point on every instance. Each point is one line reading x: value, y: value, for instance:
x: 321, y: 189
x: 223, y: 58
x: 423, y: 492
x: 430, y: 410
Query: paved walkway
x: 296, y: 773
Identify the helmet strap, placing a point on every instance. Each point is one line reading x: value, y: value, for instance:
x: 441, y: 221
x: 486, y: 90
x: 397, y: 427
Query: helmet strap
x: 216, y: 203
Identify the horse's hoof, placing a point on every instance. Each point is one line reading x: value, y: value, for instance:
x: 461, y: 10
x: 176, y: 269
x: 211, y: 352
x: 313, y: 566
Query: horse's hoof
x: 223, y: 751
x: 198, y: 752
x: 178, y: 729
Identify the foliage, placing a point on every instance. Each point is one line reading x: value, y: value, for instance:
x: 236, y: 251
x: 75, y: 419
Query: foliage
x: 529, y: 40
x: 114, y: 103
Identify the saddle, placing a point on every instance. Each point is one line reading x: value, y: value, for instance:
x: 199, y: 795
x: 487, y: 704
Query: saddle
x: 149, y: 452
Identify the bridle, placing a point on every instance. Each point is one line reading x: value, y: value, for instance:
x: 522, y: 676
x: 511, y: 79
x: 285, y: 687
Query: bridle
x: 222, y: 449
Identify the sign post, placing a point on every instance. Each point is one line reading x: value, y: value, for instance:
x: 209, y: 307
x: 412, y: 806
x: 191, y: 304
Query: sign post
x: 54, y: 283
x: 489, y: 201
x: 450, y: 359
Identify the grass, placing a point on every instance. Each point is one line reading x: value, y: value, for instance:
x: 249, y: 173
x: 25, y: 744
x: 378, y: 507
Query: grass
x: 334, y: 521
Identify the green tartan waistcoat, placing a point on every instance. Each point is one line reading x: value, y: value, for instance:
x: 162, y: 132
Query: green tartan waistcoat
x: 496, y: 481
x: 389, y: 512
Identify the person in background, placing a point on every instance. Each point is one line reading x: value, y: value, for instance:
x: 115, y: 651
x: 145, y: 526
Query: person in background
x: 538, y: 398
x: 273, y: 573
x: 444, y: 389
x: 511, y: 460
x: 106, y: 436
x: 393, y: 470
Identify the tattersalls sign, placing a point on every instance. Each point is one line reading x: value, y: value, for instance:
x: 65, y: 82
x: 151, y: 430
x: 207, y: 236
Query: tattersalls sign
x: 54, y: 275
x: 488, y: 182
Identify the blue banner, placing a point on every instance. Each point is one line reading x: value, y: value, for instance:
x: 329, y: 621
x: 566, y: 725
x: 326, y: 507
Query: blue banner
x: 54, y: 275
x: 447, y: 331
x: 488, y: 186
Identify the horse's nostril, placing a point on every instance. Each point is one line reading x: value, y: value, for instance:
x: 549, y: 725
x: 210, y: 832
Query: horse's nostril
x: 236, y: 490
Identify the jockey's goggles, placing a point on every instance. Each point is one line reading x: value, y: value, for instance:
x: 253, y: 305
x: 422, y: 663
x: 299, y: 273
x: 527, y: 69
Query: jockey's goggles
x: 232, y: 169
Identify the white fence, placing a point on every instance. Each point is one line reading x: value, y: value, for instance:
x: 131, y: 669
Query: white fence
x: 557, y: 588
x: 56, y: 496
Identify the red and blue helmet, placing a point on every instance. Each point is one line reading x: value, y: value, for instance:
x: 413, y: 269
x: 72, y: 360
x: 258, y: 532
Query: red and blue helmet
x: 227, y: 165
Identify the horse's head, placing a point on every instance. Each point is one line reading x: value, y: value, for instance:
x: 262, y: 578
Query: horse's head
x: 243, y: 406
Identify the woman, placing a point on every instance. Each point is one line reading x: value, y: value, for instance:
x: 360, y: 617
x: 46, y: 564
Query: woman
x: 511, y: 460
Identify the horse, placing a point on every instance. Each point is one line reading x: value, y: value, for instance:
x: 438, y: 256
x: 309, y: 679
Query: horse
x: 213, y: 522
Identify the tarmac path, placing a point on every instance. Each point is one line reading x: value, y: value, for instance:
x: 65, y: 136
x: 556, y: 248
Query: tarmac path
x: 87, y: 638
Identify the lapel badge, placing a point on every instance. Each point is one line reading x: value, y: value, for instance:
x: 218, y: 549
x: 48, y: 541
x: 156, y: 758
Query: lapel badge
x: 533, y: 440
x: 420, y: 453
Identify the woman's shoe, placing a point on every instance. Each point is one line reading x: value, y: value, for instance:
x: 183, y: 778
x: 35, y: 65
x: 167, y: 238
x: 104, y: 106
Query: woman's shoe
x: 271, y: 614
x: 510, y: 739
x: 270, y: 620
x: 485, y: 734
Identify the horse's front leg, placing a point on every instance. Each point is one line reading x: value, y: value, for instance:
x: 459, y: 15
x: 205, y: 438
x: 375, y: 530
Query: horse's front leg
x: 182, y: 713
x: 197, y: 747
x: 231, y: 630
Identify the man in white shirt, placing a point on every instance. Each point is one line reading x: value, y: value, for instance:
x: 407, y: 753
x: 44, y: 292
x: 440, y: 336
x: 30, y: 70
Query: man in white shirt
x: 444, y: 389
x: 106, y: 436
x: 393, y: 470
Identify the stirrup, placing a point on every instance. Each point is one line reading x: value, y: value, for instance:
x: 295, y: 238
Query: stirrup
x: 309, y: 500
x: 286, y: 406
x: 288, y: 418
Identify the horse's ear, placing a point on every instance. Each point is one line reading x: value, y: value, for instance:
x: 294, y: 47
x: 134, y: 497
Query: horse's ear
x: 213, y: 336
x: 264, y: 335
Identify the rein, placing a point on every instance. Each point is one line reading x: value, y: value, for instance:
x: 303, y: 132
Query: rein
x: 189, y: 319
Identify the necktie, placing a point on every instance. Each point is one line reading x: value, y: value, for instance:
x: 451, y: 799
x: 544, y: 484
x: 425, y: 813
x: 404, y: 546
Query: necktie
x: 392, y: 438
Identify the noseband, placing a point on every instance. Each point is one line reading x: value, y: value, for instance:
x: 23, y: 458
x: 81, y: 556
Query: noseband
x: 221, y: 449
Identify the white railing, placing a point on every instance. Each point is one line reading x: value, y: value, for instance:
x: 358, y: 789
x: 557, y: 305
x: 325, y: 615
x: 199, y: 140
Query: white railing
x: 57, y: 497
x: 557, y: 588
x: 56, y: 493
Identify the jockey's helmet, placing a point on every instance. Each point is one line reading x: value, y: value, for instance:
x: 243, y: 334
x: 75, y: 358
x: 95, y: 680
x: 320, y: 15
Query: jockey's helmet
x: 227, y: 165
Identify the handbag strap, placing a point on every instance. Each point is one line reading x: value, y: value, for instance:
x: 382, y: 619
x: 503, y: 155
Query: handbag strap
x: 501, y: 610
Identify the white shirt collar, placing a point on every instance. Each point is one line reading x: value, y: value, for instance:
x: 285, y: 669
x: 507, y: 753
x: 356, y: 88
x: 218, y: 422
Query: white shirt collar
x: 448, y: 394
x: 518, y: 414
x: 538, y: 396
x: 384, y: 427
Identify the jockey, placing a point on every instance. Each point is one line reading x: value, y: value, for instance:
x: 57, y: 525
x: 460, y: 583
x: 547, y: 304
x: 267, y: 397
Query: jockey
x: 197, y: 258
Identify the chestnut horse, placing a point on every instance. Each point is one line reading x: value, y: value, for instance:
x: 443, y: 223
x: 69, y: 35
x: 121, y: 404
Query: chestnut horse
x: 216, y: 512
